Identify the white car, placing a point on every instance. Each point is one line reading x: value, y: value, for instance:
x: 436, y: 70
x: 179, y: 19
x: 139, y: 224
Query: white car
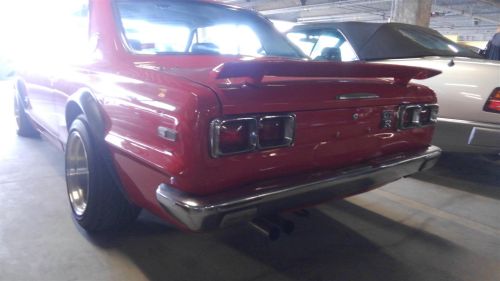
x: 468, y: 89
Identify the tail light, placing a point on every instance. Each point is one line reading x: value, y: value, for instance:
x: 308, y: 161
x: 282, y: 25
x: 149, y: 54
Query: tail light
x: 276, y: 131
x: 239, y: 135
x: 409, y: 116
x: 429, y: 114
x: 233, y: 136
x: 493, y: 103
x: 415, y: 116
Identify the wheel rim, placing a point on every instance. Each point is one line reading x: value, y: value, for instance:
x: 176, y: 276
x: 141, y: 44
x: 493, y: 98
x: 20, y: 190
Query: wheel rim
x: 77, y: 174
x: 17, y: 112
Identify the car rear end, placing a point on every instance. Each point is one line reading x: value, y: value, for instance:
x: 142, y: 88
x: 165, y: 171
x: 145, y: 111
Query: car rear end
x: 256, y: 128
x: 293, y: 134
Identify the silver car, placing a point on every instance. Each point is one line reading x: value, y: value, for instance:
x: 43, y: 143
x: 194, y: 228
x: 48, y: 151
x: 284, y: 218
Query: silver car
x: 468, y: 89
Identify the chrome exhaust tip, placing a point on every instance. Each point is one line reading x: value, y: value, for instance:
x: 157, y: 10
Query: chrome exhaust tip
x: 285, y: 225
x: 268, y: 229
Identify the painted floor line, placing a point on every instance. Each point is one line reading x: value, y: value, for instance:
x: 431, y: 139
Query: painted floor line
x: 489, y: 230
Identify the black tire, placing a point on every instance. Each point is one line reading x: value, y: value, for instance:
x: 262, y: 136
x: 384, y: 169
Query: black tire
x: 24, y: 126
x: 105, y: 208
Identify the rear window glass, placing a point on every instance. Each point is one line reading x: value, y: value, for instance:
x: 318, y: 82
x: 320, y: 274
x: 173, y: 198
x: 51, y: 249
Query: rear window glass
x: 432, y: 41
x: 169, y: 27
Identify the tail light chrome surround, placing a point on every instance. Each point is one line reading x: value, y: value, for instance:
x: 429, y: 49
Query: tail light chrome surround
x: 433, y: 114
x: 254, y: 124
x: 411, y: 116
x: 288, y: 130
x: 215, y: 131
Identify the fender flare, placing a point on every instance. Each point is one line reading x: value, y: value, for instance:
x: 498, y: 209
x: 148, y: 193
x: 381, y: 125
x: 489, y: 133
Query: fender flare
x: 84, y: 102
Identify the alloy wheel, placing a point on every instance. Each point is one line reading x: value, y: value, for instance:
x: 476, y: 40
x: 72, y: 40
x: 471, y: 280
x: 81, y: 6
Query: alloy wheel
x: 77, y: 173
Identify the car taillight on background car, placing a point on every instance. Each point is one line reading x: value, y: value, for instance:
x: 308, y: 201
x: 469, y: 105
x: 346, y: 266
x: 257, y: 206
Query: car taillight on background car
x: 493, y: 103
x: 415, y: 116
x: 239, y: 135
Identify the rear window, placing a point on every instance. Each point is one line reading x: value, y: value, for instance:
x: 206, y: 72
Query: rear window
x: 185, y: 27
x: 435, y: 42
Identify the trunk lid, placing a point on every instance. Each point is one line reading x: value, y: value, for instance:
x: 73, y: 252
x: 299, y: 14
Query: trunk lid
x: 271, y: 85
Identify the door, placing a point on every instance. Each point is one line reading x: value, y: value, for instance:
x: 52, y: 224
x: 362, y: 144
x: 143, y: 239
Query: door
x: 39, y: 102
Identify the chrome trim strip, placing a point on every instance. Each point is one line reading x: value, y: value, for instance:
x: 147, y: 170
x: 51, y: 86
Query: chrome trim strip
x: 358, y: 96
x: 200, y: 213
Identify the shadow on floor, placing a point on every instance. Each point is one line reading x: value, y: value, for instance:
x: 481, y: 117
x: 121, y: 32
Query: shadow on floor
x: 320, y: 249
x: 468, y: 172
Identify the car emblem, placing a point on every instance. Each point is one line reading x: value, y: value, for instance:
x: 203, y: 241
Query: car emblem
x: 387, y: 116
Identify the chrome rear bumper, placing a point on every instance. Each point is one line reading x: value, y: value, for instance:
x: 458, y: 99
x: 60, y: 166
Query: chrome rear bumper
x: 199, y: 213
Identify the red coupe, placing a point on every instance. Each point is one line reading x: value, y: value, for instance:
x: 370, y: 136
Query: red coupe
x: 206, y: 116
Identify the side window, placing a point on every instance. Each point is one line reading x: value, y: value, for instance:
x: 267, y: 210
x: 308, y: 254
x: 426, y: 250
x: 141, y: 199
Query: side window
x: 347, y: 51
x: 326, y: 42
x: 304, y: 40
x: 333, y: 46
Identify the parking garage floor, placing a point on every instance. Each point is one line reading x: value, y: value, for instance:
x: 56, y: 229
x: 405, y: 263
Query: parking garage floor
x: 443, y: 224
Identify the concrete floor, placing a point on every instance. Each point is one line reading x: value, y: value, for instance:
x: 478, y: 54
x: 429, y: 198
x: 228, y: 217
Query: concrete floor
x: 440, y: 225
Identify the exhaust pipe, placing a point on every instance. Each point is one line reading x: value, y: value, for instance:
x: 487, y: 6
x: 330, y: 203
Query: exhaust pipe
x: 272, y: 226
x: 286, y: 226
x: 266, y: 228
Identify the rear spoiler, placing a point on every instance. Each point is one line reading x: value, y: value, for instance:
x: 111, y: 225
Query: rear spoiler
x: 256, y: 70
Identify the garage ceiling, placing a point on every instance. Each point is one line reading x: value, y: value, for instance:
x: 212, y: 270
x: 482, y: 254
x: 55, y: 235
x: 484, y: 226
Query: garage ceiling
x: 472, y: 20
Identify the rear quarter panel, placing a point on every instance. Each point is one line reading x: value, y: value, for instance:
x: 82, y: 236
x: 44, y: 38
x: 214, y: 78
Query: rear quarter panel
x: 137, y: 102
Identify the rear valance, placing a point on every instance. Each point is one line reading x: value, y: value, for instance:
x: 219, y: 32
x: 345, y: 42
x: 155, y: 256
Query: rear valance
x: 257, y: 70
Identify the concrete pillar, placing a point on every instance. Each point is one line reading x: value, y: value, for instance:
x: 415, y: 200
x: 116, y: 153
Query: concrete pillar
x: 412, y: 11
